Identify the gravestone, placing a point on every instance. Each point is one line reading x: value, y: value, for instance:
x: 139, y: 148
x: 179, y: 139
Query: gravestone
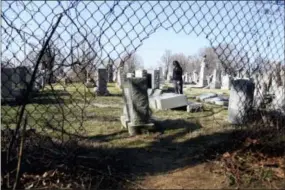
x: 121, y: 78
x: 137, y: 105
x: 259, y: 90
x: 240, y: 101
x: 115, y: 75
x: 89, y: 83
x: 216, y: 81
x: 203, y: 97
x: 140, y: 73
x: 209, y: 80
x: 195, y: 76
x: 160, y: 73
x: 218, y: 101
x: 278, y: 103
x: 170, y: 101
x: 283, y: 76
x: 187, y: 78
x: 154, y: 78
x: 202, y: 75
x: 226, y: 82
x: 194, y: 107
x: 169, y: 76
x: 110, y: 72
x: 148, y: 79
x: 14, y: 82
x: 7, y: 84
x: 102, y: 80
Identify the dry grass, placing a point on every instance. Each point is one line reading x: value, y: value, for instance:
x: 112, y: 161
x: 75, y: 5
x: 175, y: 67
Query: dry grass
x: 174, y: 155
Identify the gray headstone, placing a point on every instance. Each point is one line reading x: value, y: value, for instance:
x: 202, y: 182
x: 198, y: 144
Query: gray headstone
x: 7, y: 83
x: 135, y: 92
x: 194, y: 107
x: 110, y: 72
x: 240, y: 101
x: 102, y: 82
x: 154, y: 78
x: 216, y: 80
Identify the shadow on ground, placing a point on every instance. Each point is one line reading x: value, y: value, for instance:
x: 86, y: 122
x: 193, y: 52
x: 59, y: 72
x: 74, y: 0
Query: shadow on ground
x: 43, y: 98
x: 163, y: 154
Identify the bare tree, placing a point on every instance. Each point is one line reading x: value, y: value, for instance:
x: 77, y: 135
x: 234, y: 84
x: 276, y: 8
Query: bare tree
x: 232, y: 59
x: 166, y: 60
x: 211, y: 60
x: 132, y: 62
x: 193, y: 63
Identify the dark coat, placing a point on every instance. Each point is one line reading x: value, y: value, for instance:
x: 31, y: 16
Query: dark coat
x: 177, y: 73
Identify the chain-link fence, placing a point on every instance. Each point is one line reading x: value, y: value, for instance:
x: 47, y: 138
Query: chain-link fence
x: 58, y: 58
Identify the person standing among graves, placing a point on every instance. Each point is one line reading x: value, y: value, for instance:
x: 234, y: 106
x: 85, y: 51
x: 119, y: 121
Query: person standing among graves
x: 177, y: 77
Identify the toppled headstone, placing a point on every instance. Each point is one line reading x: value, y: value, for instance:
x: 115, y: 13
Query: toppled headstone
x: 170, y: 101
x: 206, y: 96
x: 218, y: 100
x: 194, y: 107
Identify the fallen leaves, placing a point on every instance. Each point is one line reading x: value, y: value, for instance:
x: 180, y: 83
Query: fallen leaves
x: 245, y: 166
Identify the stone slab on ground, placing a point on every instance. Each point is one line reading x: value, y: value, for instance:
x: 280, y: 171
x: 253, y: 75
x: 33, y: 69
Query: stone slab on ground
x: 219, y: 100
x: 221, y: 103
x: 169, y: 101
x: 194, y: 107
x: 212, y: 100
x: 203, y: 97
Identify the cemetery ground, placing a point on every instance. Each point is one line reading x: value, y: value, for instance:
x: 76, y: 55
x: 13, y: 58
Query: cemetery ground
x: 185, y: 150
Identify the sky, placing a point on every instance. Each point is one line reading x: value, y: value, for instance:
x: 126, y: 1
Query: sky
x: 149, y: 28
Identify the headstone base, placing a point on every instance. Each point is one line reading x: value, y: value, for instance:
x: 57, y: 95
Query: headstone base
x: 194, y: 107
x: 138, y: 128
x: 135, y: 129
x: 101, y: 93
x: 89, y: 85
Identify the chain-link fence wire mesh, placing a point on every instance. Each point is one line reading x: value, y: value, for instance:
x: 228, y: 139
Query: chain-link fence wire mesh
x: 49, y: 48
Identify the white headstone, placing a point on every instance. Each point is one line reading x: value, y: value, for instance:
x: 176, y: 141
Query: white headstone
x: 216, y: 80
x: 202, y: 75
x: 226, y: 82
x: 170, y: 101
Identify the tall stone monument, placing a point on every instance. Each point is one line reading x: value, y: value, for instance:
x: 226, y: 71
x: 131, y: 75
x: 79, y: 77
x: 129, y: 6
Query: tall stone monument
x: 202, y: 76
x: 137, y: 113
x: 110, y: 71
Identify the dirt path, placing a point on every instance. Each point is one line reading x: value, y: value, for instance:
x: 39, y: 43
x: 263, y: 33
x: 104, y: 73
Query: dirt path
x: 196, y: 177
